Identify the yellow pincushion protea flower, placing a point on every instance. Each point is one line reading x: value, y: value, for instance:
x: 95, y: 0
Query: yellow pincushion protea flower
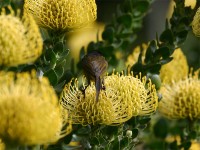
x: 196, y: 23
x: 124, y: 97
x: 62, y: 14
x: 175, y: 70
x: 181, y: 99
x: 30, y: 112
x: 20, y: 39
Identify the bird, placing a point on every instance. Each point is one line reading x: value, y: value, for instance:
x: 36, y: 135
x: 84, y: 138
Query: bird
x: 94, y: 67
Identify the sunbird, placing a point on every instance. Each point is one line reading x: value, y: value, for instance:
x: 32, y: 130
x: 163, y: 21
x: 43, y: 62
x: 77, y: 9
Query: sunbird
x: 94, y: 67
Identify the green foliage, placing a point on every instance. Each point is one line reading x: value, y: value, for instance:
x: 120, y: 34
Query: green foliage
x: 4, y: 3
x: 53, y: 61
x: 118, y: 37
x: 161, y: 129
x: 175, y: 33
x: 121, y: 32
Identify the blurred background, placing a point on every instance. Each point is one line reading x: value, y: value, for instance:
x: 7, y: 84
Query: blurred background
x: 153, y: 23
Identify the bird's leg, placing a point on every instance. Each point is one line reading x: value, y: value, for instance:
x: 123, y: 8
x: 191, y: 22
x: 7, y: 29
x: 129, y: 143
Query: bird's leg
x: 98, y: 87
x: 103, y: 85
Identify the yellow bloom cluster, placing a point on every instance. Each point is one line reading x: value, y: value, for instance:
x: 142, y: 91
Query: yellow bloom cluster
x: 30, y: 112
x: 175, y: 70
x: 196, y: 23
x: 124, y: 97
x: 181, y: 99
x: 20, y: 39
x: 62, y: 14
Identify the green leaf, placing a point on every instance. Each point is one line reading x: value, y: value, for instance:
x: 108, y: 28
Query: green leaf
x: 124, y: 143
x: 193, y: 135
x: 59, y: 70
x: 51, y: 56
x: 141, y: 7
x: 135, y: 133
x: 110, y: 130
x: 108, y: 34
x: 133, y: 121
x: 58, y: 47
x: 95, y: 141
x: 181, y: 37
x: 61, y: 63
x: 67, y: 75
x: 161, y: 129
x: 82, y: 53
x: 186, y: 145
x: 62, y: 56
x: 150, y: 51
x: 107, y: 51
x: 163, y: 52
x: 4, y: 3
x: 142, y: 126
x: 28, y: 67
x: 85, y: 130
x: 167, y: 36
x: 91, y: 47
x: 116, y: 144
x: 143, y: 121
x: 174, y: 145
x: 165, y: 61
x: 126, y: 20
x: 154, y: 68
x: 45, y: 61
x: 67, y: 139
x: 51, y: 75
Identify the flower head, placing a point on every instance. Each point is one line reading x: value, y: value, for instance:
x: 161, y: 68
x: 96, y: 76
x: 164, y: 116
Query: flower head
x: 175, y: 70
x: 196, y: 23
x: 124, y: 97
x: 30, y: 113
x: 62, y: 14
x: 181, y: 99
x: 20, y: 39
